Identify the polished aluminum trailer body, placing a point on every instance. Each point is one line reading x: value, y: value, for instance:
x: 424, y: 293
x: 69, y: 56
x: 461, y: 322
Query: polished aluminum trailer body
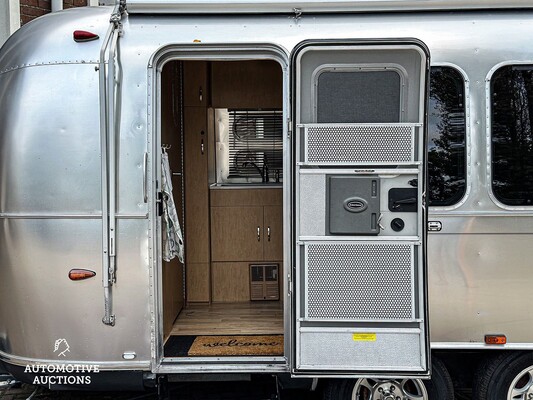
x: 51, y: 181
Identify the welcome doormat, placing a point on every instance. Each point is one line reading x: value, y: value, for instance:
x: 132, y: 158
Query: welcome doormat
x: 227, y: 345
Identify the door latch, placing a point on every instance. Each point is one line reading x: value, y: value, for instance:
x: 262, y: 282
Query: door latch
x: 434, y: 226
x: 159, y: 203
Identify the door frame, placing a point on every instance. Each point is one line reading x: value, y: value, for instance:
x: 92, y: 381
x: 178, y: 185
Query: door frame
x: 212, y: 52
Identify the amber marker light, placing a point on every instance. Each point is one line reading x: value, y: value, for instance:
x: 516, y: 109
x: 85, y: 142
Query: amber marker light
x: 495, y: 339
x: 80, y: 274
x: 84, y: 36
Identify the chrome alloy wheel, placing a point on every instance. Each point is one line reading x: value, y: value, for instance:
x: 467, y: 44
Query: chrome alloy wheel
x: 522, y: 386
x: 381, y: 389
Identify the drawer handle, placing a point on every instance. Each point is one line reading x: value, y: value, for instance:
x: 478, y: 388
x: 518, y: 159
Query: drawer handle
x: 258, y: 234
x: 268, y: 233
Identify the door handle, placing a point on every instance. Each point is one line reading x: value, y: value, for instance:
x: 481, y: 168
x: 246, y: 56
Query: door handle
x: 258, y: 233
x: 202, y: 147
x: 201, y: 94
x: 268, y: 233
x: 145, y: 177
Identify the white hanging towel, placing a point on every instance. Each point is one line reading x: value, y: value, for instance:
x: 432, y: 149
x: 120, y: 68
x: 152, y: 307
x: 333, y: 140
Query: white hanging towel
x: 172, y: 237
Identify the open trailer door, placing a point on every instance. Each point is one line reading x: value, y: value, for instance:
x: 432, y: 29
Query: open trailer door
x: 360, y: 303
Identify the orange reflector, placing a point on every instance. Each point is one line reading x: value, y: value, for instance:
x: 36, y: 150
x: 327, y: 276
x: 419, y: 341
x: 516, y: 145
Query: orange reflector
x: 84, y: 36
x: 495, y: 339
x: 80, y: 274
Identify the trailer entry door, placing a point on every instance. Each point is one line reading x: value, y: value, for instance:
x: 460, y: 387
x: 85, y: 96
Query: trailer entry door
x: 359, y: 206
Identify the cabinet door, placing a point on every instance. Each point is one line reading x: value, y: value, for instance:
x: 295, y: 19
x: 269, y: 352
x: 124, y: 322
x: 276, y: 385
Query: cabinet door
x: 246, y: 85
x: 273, y: 233
x: 195, y: 83
x: 236, y: 233
x: 196, y: 186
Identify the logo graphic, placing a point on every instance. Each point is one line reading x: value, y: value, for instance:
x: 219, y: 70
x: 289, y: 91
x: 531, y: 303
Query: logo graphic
x: 61, y: 346
x: 355, y: 204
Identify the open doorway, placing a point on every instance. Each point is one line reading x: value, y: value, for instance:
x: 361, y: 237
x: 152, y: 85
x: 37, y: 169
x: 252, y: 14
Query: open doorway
x: 222, y: 128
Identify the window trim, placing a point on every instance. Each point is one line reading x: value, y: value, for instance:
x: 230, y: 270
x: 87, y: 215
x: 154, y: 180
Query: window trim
x: 468, y: 130
x: 488, y: 137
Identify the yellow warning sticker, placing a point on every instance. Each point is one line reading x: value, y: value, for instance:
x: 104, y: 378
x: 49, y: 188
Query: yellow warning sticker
x: 364, y: 337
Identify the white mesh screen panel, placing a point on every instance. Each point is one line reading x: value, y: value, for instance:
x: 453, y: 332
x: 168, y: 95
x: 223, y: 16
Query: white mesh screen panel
x: 372, y: 144
x: 359, y: 281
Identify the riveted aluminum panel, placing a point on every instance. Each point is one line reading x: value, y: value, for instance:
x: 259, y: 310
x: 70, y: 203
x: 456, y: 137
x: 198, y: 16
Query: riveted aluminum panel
x: 50, y: 154
x: 48, y: 40
x: 39, y: 304
x: 285, y: 6
x: 337, y: 349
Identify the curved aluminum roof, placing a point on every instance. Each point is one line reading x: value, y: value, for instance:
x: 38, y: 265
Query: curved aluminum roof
x: 313, y: 6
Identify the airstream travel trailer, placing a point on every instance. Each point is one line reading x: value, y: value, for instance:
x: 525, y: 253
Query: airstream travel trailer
x: 334, y: 193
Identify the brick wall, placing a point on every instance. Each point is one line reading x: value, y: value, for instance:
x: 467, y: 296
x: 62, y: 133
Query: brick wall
x: 74, y: 3
x: 31, y: 9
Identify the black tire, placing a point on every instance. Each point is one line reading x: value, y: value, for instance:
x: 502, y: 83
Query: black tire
x: 439, y: 387
x: 495, y: 375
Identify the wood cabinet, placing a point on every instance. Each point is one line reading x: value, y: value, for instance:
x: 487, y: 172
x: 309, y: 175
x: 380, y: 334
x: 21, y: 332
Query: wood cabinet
x: 246, y: 84
x: 237, y: 233
x: 273, y: 229
x: 196, y: 159
x: 196, y: 186
x: 252, y: 231
x: 195, y: 89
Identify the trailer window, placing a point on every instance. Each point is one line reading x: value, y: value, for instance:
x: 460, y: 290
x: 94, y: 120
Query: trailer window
x: 512, y: 139
x: 446, y: 144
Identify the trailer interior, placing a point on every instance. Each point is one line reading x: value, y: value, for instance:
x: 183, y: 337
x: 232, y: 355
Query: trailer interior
x: 221, y: 126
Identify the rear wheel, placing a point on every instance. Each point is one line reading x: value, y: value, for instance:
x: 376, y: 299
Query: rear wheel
x: 508, y: 376
x: 440, y: 387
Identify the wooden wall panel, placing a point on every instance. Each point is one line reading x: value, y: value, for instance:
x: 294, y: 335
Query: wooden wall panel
x: 196, y: 186
x: 231, y: 282
x: 173, y: 296
x: 198, y: 282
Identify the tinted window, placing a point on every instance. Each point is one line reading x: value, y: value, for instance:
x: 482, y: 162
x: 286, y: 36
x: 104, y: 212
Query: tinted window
x: 512, y: 140
x: 446, y: 144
